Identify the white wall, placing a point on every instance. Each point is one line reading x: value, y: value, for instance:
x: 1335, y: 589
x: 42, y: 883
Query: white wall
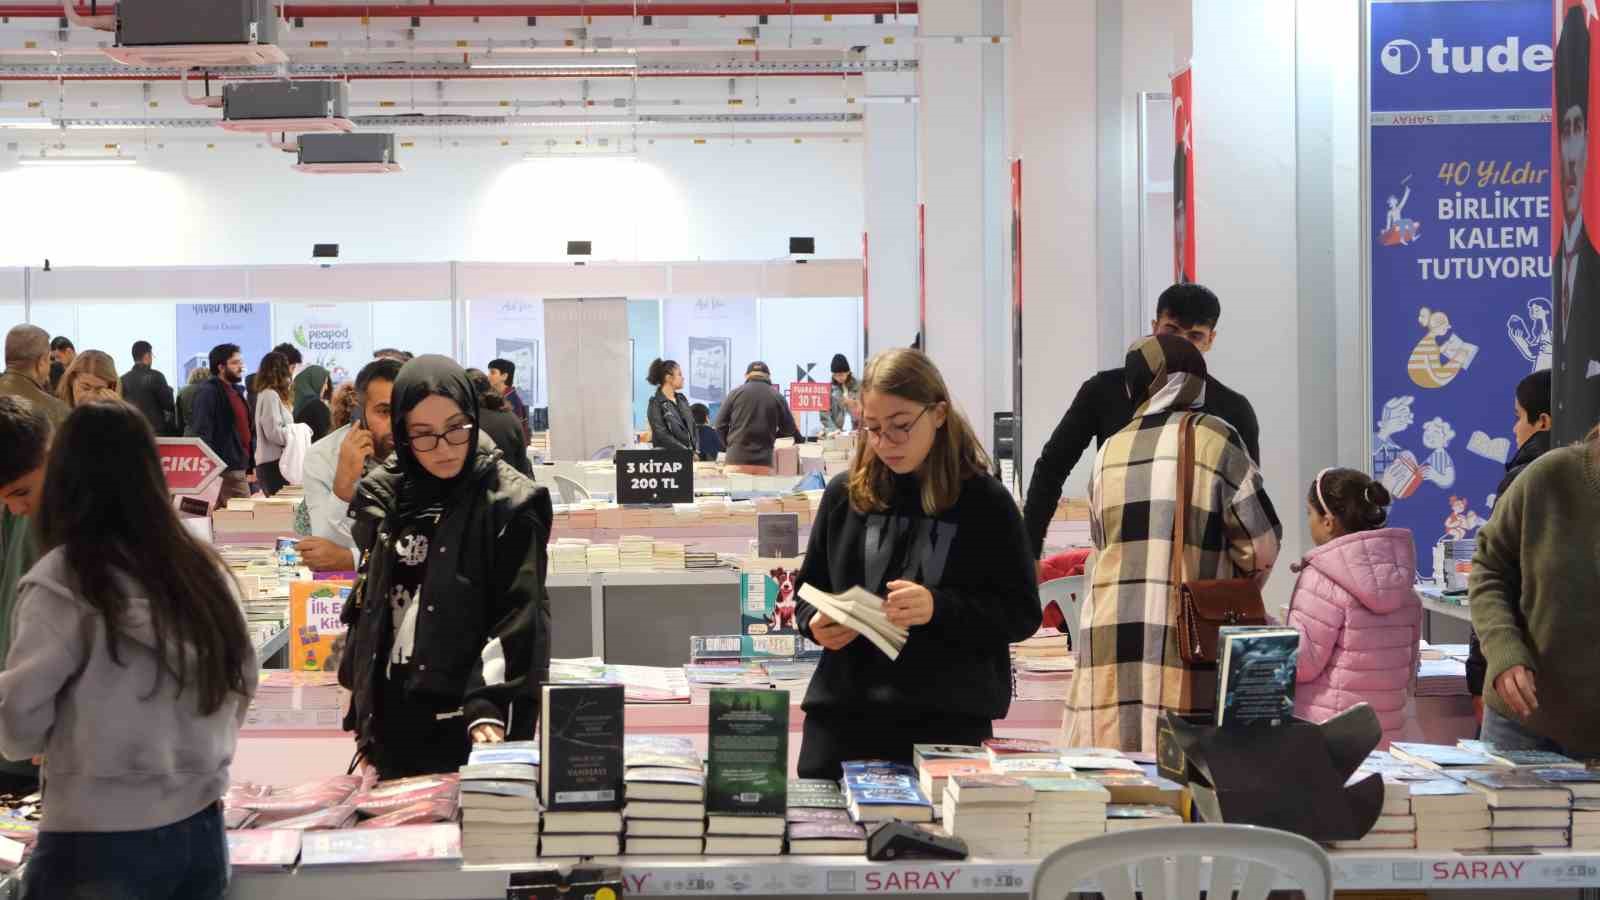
x: 244, y: 205
x: 1246, y: 212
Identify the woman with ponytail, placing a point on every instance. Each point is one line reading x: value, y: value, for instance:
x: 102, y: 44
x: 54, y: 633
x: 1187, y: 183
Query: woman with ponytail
x: 1354, y: 605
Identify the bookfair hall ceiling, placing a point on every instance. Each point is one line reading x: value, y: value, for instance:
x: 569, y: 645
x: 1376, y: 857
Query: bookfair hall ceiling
x: 532, y: 78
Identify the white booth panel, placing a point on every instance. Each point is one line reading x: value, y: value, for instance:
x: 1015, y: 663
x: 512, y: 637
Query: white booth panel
x: 133, y: 284
x: 113, y: 327
x: 420, y: 326
x: 351, y: 283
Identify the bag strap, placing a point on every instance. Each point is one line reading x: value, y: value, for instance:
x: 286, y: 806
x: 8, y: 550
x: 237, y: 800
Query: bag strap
x: 1185, y: 485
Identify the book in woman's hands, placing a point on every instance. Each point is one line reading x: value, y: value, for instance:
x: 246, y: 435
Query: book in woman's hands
x: 861, y: 611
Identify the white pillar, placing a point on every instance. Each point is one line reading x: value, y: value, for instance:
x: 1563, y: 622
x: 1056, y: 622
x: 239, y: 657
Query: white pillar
x: 890, y: 127
x: 959, y: 107
x: 1053, y: 130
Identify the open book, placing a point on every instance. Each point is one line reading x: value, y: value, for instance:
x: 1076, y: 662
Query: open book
x: 861, y: 611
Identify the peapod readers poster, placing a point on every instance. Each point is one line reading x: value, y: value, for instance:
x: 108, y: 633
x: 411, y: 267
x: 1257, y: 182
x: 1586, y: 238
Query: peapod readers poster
x: 1460, y: 252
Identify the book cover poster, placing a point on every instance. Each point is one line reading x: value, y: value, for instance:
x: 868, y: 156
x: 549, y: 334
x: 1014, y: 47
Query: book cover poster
x: 316, y: 636
x: 749, y: 752
x: 202, y: 326
x: 512, y: 330
x: 335, y: 336
x: 713, y: 339
x: 583, y: 755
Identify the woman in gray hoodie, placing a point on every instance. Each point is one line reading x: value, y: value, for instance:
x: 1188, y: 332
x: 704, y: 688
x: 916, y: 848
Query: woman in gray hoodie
x: 130, y: 671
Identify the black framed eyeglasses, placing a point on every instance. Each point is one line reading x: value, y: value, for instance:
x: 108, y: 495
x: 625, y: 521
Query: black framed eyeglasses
x: 896, y: 434
x: 454, y: 436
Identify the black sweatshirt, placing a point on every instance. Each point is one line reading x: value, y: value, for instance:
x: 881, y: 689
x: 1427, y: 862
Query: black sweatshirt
x: 973, y: 558
x: 1101, y: 409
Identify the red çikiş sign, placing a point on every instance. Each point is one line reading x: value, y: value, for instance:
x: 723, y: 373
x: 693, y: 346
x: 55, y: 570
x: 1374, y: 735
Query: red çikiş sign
x: 188, y: 464
x: 810, y: 396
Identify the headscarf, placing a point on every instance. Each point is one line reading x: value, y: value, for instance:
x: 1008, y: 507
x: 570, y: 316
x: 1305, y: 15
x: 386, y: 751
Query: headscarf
x: 1165, y: 373
x: 420, y: 379
x: 308, y: 384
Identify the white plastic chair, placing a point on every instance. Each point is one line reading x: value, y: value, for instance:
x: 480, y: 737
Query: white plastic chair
x: 1067, y: 594
x: 571, y: 491
x: 1167, y: 863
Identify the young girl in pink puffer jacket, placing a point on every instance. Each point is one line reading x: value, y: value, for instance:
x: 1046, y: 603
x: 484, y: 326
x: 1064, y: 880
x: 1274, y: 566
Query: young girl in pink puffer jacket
x: 1355, y: 605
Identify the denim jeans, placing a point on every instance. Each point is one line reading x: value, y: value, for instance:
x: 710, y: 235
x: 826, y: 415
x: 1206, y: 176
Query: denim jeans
x: 1508, y: 734
x: 184, y: 861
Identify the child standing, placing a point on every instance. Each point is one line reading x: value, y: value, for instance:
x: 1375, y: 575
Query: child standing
x: 1355, y: 605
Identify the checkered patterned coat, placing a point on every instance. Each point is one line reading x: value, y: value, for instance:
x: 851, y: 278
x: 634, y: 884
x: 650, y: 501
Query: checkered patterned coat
x: 1129, y: 667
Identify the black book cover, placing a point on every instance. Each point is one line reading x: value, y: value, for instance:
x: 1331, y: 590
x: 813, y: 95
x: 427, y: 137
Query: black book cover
x: 748, y: 772
x: 582, y: 748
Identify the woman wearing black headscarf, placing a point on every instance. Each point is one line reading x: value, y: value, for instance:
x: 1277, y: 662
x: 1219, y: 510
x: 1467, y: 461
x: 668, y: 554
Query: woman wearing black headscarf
x: 449, y: 623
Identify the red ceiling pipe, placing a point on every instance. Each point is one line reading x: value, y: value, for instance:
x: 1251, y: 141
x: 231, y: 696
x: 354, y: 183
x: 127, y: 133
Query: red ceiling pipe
x: 522, y: 10
x: 486, y: 75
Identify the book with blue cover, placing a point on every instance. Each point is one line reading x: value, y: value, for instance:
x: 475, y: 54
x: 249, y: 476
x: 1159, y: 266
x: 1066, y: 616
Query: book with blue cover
x: 879, y: 791
x: 1255, y: 675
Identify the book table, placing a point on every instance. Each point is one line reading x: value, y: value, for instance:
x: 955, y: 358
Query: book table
x: 1554, y: 875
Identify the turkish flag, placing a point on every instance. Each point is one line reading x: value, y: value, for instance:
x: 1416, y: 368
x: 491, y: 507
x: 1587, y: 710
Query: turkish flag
x: 1575, y: 159
x: 1183, y: 267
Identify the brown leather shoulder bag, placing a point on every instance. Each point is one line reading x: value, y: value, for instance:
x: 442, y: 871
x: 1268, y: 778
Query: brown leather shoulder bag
x: 1204, y: 606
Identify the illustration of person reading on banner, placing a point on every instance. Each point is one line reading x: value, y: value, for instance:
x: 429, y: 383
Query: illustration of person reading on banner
x: 1577, y: 390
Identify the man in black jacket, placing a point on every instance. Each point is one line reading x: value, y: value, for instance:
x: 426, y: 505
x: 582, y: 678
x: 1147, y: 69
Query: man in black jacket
x: 1532, y: 431
x: 148, y: 390
x: 221, y: 421
x: 1103, y: 406
x: 752, y: 419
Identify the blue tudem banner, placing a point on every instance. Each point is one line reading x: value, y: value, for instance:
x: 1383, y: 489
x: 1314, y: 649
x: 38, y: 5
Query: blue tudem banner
x: 1460, y: 260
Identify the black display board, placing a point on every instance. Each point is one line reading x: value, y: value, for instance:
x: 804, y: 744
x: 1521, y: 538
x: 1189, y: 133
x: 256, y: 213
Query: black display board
x: 655, y: 476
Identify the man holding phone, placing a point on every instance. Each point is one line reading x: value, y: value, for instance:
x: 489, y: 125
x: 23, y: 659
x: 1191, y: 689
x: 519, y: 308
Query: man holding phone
x: 335, y: 464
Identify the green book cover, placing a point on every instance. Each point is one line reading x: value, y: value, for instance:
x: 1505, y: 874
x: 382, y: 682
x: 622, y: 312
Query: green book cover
x: 748, y: 759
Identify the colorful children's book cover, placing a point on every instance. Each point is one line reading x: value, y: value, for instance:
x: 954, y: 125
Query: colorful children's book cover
x: 316, y: 638
x: 769, y: 601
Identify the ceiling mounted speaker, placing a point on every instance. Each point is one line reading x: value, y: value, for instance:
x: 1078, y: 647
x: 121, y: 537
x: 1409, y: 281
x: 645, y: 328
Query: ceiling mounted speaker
x: 802, y: 245
x: 580, y: 248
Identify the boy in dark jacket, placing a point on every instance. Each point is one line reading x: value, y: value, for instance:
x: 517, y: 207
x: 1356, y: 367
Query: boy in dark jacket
x: 1103, y: 408
x: 1532, y: 431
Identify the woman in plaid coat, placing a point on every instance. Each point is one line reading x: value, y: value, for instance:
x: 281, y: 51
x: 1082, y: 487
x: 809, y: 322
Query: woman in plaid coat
x: 1129, y: 667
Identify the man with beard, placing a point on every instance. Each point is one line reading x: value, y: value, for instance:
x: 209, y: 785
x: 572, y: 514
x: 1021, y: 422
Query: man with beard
x: 1577, y: 328
x: 221, y: 421
x: 335, y: 464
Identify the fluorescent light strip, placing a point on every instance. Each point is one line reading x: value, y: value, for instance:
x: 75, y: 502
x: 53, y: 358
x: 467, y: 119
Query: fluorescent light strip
x: 558, y: 67
x: 77, y: 161
x: 31, y: 123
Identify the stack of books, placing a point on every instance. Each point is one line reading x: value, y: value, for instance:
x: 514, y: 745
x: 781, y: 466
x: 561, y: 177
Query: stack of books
x: 604, y: 558
x: 636, y: 552
x: 747, y: 781
x: 667, y: 556
x: 1001, y: 749
x: 569, y: 556
x: 990, y: 812
x: 819, y: 821
x: 1450, y: 816
x: 936, y: 763
x: 666, y: 797
x: 1134, y: 816
x: 701, y: 559
x: 581, y: 775
x: 1440, y: 757
x: 1064, y: 812
x: 1525, y: 811
x: 500, y: 804
x: 1584, y: 785
x: 880, y: 791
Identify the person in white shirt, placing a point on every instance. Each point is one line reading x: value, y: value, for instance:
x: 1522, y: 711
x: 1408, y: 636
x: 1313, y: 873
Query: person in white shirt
x: 336, y: 463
